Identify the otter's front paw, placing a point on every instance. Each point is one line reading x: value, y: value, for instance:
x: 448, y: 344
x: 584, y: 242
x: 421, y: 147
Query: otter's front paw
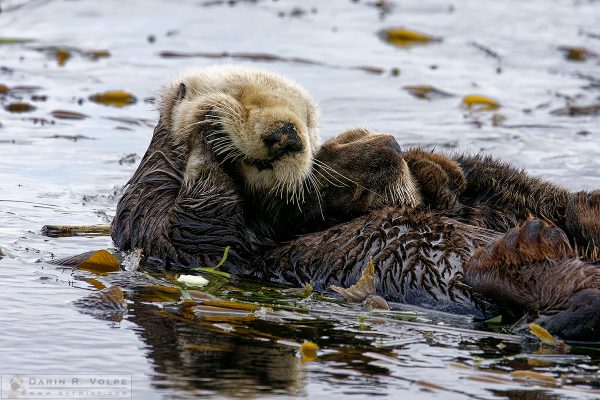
x: 440, y: 179
x: 583, y: 221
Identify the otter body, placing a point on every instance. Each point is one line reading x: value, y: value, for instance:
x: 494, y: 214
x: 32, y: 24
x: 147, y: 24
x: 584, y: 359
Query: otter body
x: 235, y: 161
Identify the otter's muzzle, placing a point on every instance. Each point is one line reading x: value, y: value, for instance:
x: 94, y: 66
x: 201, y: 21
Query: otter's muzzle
x: 283, y: 140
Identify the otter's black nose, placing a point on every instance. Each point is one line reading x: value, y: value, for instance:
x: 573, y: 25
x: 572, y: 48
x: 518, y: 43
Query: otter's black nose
x: 388, y: 141
x: 283, y: 140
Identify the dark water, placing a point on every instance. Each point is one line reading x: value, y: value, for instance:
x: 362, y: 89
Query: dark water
x: 64, y: 171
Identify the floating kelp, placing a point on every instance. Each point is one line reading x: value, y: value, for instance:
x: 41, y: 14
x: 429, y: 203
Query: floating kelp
x: 267, y: 57
x: 574, y: 111
x: 65, y: 114
x: 100, y: 262
x: 577, y: 53
x: 96, y: 284
x: 62, y: 56
x: 308, y: 351
x: 427, y: 92
x: 97, y: 54
x: 19, y: 107
x: 402, y: 37
x: 116, y: 98
x: 75, y: 230
x: 14, y: 41
x: 533, y: 375
x: 487, y: 51
x: 478, y: 102
x: 134, y: 121
x: 158, y: 293
x: 546, y: 337
x: 74, y: 138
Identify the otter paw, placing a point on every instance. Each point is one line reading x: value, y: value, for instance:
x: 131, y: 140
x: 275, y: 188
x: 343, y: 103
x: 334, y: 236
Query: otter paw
x: 534, y: 241
x: 440, y: 179
x: 583, y: 221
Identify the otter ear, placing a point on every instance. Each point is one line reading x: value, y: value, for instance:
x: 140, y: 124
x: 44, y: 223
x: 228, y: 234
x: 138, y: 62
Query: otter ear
x: 181, y: 91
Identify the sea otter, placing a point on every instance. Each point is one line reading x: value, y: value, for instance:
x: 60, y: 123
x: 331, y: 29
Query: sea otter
x: 236, y: 153
x: 224, y: 132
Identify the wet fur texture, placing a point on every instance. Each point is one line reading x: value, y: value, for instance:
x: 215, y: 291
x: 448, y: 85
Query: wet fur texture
x: 160, y: 215
x: 533, y: 270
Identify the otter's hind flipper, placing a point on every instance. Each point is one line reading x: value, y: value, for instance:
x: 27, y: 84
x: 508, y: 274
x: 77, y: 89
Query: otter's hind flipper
x: 533, y: 270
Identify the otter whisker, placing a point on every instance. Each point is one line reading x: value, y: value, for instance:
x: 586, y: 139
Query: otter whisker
x: 224, y: 150
x: 329, y: 171
x: 328, y: 168
x: 328, y: 180
x: 232, y: 156
x: 311, y: 180
x: 201, y: 122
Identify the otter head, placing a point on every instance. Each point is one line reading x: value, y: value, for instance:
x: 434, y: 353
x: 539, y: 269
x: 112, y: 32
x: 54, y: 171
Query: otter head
x: 261, y: 127
x: 360, y: 171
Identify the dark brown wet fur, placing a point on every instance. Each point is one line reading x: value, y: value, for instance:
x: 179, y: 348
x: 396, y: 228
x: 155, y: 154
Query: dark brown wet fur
x: 533, y: 270
x: 418, y: 258
x: 441, y: 180
x: 191, y: 226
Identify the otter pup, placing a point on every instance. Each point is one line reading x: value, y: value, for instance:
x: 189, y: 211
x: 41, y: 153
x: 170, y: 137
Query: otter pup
x: 474, y: 189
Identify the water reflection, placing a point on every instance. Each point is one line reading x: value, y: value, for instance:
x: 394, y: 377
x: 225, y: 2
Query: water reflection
x: 197, y: 356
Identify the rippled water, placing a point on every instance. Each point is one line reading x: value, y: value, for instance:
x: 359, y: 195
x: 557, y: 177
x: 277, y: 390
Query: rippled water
x: 59, y: 171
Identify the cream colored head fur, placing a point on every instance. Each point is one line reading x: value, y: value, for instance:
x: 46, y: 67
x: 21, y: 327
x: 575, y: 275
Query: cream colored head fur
x: 246, y: 104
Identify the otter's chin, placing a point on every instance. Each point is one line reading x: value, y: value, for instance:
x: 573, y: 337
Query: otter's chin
x: 285, y: 177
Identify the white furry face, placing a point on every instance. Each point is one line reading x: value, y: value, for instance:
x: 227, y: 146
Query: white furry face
x: 262, y: 122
